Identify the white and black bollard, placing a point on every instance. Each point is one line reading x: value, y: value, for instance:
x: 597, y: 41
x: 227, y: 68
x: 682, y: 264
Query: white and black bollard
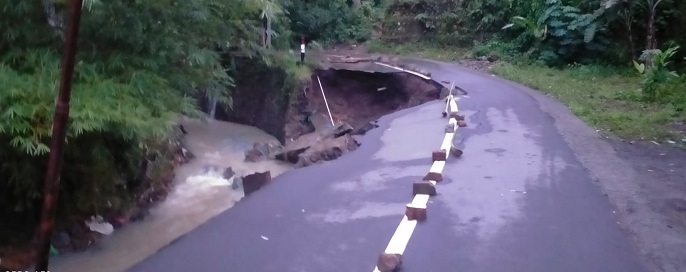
x: 302, y: 50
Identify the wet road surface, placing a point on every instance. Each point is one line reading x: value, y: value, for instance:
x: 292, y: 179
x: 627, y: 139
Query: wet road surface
x: 518, y: 200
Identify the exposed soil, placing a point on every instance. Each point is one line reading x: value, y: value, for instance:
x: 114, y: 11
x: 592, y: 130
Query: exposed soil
x: 356, y: 99
x: 260, y: 98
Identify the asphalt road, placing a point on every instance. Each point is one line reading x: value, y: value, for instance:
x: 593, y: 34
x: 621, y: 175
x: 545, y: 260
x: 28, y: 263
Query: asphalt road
x: 518, y: 200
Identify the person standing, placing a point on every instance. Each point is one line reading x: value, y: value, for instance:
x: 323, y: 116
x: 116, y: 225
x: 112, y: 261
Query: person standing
x: 302, y: 50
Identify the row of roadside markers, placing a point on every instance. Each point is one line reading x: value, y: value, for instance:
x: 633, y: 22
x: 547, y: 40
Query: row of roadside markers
x: 391, y: 259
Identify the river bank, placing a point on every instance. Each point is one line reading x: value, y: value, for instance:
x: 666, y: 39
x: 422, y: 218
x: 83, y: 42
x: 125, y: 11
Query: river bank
x: 200, y: 192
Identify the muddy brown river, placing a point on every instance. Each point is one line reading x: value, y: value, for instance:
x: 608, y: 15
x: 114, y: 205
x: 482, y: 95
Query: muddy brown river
x: 199, y: 194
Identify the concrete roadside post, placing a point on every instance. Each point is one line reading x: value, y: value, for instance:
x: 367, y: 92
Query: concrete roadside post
x: 424, y: 187
x: 439, y: 155
x: 302, y: 50
x: 416, y: 211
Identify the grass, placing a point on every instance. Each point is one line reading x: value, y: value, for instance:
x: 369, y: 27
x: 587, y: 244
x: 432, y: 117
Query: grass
x: 289, y: 62
x: 420, y: 50
x: 607, y: 98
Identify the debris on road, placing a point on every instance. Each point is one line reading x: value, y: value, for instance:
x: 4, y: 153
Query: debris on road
x: 98, y: 224
x: 254, y: 182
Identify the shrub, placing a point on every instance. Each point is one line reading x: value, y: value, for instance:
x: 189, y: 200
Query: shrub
x: 660, y: 83
x: 330, y: 21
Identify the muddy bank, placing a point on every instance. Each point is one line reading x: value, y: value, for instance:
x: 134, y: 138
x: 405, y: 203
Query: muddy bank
x: 296, y: 114
x: 355, y: 100
x: 260, y: 98
x: 264, y: 98
x: 82, y: 231
x: 200, y: 191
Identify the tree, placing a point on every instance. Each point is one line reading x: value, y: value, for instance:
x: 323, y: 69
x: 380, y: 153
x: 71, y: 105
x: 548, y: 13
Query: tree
x: 141, y: 65
x: 626, y: 7
x: 651, y: 39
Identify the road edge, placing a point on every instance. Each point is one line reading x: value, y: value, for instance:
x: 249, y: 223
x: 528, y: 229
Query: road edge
x: 615, y: 177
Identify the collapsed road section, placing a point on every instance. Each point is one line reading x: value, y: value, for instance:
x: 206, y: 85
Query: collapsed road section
x: 325, y: 116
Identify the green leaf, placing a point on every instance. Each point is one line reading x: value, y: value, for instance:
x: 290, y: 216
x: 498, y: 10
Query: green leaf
x: 640, y: 67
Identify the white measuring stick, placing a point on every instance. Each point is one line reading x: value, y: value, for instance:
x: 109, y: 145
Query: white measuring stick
x: 325, y: 102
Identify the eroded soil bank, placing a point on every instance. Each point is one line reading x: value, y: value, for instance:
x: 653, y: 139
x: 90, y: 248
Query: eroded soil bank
x: 315, y: 133
x: 356, y: 98
x: 201, y: 190
x: 297, y: 116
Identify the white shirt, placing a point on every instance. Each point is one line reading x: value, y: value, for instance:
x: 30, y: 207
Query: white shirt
x: 302, y: 48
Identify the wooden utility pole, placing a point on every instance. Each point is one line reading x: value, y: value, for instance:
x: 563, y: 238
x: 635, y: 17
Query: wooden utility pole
x: 59, y: 131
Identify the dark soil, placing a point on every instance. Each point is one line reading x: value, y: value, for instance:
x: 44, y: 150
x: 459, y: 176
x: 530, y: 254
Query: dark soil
x: 357, y: 98
x: 260, y: 98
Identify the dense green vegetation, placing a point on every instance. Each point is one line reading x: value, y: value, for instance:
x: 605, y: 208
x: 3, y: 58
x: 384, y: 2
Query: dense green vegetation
x: 140, y: 65
x: 626, y: 50
x: 333, y: 21
x: 606, y: 98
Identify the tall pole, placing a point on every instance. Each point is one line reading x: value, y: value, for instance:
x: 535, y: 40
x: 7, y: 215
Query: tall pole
x: 59, y: 130
x: 325, y: 102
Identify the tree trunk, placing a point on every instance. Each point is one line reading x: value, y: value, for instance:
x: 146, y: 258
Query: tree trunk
x: 269, y: 31
x: 630, y: 35
x: 632, y: 45
x: 264, y: 31
x: 651, y: 40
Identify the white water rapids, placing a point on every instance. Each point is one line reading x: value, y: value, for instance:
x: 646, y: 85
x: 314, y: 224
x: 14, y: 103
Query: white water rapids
x: 200, y: 193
